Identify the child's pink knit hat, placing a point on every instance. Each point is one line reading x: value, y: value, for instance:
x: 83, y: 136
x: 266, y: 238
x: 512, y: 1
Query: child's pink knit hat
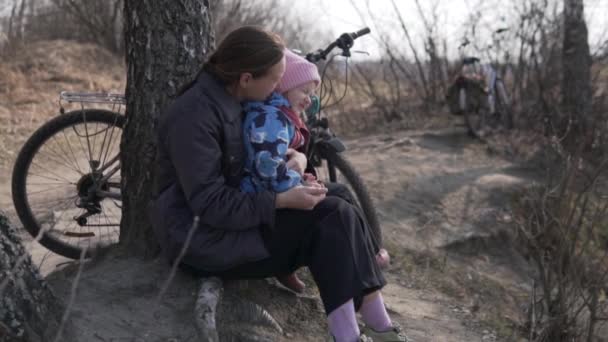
x: 298, y: 71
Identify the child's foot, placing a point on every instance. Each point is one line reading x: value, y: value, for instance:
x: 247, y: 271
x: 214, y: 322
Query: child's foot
x: 292, y: 282
x: 382, y: 258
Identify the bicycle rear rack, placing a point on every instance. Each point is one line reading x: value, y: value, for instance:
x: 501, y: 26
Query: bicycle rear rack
x: 109, y: 98
x: 115, y: 100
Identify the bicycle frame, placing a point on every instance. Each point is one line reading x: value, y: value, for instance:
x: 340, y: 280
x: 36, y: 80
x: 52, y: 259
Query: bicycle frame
x: 105, y: 178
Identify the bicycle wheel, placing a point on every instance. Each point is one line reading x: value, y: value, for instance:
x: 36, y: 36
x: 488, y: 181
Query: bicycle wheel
x: 335, y: 168
x: 475, y: 108
x: 66, y: 182
x: 503, y: 105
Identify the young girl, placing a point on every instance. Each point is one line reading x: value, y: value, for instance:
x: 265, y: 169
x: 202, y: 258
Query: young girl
x: 271, y: 128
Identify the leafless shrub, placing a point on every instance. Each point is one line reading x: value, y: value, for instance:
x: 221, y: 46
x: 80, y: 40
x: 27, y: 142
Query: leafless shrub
x: 278, y: 16
x: 89, y: 21
x: 562, y: 229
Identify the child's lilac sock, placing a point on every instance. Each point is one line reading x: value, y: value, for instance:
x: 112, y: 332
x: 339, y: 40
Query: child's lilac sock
x: 374, y: 315
x: 343, y: 323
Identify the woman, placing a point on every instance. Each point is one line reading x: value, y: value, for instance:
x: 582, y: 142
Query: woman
x: 257, y: 235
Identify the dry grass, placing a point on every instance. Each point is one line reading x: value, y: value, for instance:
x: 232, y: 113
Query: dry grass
x: 360, y: 113
x: 31, y: 78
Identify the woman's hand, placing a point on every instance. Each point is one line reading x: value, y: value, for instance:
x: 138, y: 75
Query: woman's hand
x: 300, y: 197
x: 314, y: 184
x: 296, y: 161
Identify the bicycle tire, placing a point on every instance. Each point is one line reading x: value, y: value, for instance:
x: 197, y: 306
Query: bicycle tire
x: 475, y: 108
x: 23, y: 163
x: 504, y: 105
x: 336, y: 162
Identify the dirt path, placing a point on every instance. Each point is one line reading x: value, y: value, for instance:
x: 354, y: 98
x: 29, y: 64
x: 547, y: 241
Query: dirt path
x: 443, y: 201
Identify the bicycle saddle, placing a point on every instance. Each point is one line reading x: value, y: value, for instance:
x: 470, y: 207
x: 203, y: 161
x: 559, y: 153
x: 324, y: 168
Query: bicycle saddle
x: 470, y: 60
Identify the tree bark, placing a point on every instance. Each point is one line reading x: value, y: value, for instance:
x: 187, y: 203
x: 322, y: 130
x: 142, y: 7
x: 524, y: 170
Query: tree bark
x: 28, y: 309
x: 166, y: 42
x: 576, y: 81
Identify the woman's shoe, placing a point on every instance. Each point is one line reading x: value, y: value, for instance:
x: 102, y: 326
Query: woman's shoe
x: 362, y: 338
x: 394, y: 334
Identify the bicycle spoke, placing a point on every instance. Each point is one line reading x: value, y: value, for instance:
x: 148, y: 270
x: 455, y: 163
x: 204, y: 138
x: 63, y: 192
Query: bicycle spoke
x: 94, y: 140
x: 55, y: 179
x: 71, y: 150
x: 53, y: 201
x: 64, y: 184
x: 113, y: 184
x: 68, y: 166
x: 113, y: 213
x: 111, y: 145
x: 84, y: 151
x: 66, y: 163
x: 65, y: 155
x: 64, y: 181
x: 51, y: 172
x: 50, y: 189
x: 103, y: 145
x: 86, y: 132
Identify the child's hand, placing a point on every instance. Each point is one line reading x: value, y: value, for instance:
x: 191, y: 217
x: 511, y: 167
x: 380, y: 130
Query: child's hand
x: 310, y: 180
x: 296, y: 161
x: 308, y: 177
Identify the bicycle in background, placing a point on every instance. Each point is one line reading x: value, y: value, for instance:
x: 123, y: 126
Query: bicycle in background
x: 479, y: 94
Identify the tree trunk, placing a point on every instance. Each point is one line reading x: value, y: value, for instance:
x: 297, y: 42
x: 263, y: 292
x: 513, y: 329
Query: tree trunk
x: 576, y: 79
x: 165, y: 43
x: 28, y: 309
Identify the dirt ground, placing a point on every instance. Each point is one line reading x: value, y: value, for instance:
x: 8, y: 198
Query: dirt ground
x: 443, y: 200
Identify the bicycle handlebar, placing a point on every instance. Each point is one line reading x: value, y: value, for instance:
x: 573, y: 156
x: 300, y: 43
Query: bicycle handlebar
x: 361, y: 32
x: 344, y: 42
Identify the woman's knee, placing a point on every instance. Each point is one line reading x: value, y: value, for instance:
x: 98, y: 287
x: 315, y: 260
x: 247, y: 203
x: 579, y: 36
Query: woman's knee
x: 340, y: 190
x: 336, y: 219
x: 333, y: 205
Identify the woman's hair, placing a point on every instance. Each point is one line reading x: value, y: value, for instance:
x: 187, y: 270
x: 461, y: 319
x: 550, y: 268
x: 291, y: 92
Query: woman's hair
x: 248, y: 49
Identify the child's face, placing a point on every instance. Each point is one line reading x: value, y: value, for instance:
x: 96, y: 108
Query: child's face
x: 299, y: 97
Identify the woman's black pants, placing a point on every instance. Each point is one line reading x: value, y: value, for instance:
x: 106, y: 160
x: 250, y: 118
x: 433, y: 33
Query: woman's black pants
x: 332, y: 240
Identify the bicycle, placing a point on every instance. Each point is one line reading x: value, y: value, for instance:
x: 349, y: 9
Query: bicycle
x: 76, y: 154
x: 478, y: 92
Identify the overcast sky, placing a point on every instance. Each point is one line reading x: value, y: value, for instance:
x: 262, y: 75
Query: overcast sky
x: 342, y: 16
x: 339, y: 16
